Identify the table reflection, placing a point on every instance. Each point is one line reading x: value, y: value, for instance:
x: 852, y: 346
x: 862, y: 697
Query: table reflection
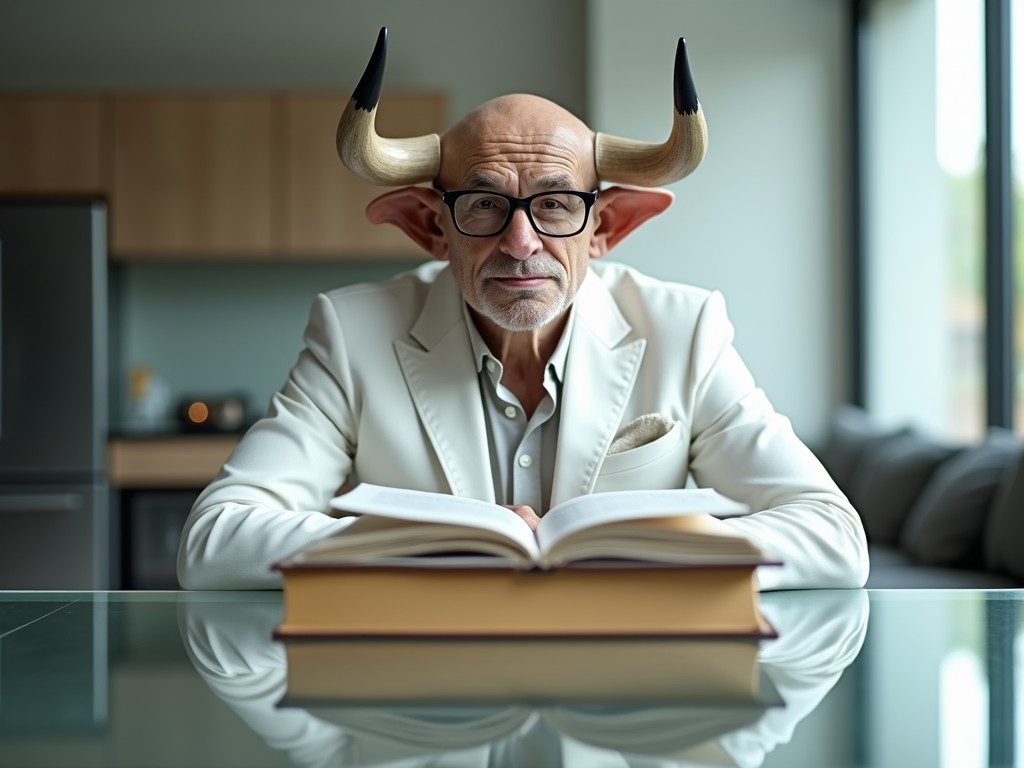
x: 819, y: 635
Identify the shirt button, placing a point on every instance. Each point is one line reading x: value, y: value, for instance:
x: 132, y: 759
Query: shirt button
x: 510, y: 411
x: 490, y: 366
x: 525, y: 460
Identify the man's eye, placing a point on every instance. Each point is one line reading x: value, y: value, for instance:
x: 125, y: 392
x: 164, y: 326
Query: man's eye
x: 487, y: 204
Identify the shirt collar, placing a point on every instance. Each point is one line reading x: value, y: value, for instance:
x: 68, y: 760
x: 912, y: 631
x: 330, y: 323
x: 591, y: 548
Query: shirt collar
x: 556, y: 363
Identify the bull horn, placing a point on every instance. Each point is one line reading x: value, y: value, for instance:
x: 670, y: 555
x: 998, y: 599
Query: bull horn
x: 648, y: 164
x: 388, y: 162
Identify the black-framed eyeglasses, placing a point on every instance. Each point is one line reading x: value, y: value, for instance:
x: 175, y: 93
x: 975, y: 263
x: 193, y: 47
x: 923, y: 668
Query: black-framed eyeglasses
x: 478, y: 213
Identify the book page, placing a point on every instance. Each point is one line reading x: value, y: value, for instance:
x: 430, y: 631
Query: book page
x: 439, y: 508
x: 378, y: 539
x: 582, y: 512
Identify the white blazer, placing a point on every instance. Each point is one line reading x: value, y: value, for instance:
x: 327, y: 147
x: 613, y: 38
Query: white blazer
x: 386, y: 391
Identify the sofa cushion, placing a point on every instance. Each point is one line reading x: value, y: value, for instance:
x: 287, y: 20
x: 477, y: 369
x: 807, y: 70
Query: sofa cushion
x: 946, y: 525
x: 889, y: 478
x: 851, y: 433
x: 1004, y: 538
x: 892, y: 568
x: 884, y: 557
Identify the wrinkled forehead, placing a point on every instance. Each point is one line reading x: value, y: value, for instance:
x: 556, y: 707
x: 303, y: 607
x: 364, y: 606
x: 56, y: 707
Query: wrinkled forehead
x: 518, y: 142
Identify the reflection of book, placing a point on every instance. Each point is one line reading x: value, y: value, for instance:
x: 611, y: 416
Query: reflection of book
x: 522, y: 670
x: 665, y: 697
x: 641, y: 563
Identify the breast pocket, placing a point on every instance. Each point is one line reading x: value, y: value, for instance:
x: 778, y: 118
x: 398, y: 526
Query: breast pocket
x: 661, y: 463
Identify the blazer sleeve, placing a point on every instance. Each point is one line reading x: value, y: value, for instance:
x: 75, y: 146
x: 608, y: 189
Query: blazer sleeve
x: 744, y: 449
x: 270, y: 498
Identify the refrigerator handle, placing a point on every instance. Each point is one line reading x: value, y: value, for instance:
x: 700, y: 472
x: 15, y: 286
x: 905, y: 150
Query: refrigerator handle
x: 41, y: 502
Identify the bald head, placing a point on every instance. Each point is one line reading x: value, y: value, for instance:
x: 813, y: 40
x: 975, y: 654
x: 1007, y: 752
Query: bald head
x: 518, y: 141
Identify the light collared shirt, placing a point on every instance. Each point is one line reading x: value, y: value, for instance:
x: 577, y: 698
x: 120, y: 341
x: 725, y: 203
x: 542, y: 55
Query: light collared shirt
x: 522, y: 451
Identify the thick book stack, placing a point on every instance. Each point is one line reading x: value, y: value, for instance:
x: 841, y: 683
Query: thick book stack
x: 650, y: 563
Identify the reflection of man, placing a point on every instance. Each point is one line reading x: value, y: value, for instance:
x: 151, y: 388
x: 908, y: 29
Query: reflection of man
x: 820, y: 634
x: 514, y: 369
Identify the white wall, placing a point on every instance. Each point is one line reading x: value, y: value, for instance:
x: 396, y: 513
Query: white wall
x: 764, y: 218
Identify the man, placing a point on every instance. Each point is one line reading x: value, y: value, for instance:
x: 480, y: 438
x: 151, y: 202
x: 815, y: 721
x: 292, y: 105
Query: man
x: 513, y: 369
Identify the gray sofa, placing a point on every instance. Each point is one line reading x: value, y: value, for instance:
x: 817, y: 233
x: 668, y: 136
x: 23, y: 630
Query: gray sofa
x: 937, y: 515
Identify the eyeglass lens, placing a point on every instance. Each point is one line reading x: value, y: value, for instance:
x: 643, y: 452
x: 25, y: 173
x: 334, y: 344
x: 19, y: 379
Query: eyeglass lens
x: 556, y: 213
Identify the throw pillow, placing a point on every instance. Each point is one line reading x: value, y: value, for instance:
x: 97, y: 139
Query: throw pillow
x: 890, y: 477
x: 946, y: 526
x: 851, y: 432
x: 1004, y: 540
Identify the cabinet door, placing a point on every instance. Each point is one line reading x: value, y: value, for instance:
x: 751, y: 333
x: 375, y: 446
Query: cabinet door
x: 192, y: 175
x: 50, y: 143
x: 325, y: 205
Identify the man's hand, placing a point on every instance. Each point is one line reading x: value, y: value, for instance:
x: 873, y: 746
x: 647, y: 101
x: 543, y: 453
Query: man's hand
x: 526, y: 513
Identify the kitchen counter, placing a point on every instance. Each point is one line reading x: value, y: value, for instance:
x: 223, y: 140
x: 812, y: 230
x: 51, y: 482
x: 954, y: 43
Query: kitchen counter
x: 155, y: 477
x: 167, y: 460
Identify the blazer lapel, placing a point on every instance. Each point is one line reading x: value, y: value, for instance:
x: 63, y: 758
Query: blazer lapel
x: 599, y: 377
x: 443, y: 381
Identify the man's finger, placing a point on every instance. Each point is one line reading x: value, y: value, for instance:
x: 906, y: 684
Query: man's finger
x: 526, y: 513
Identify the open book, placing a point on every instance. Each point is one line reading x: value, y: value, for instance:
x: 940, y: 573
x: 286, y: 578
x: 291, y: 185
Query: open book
x: 666, y: 526
x: 617, y: 563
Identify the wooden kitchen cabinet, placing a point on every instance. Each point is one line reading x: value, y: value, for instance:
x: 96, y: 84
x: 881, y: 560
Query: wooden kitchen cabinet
x: 51, y: 143
x: 325, y: 203
x: 212, y: 175
x: 192, y: 175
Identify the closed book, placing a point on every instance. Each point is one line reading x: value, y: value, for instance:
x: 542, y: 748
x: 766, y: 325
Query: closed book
x: 621, y: 563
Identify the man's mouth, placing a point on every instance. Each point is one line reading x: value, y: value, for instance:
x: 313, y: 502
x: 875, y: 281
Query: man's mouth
x: 522, y: 282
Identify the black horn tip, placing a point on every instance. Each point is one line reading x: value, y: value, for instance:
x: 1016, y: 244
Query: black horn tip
x: 367, y: 93
x: 685, y: 93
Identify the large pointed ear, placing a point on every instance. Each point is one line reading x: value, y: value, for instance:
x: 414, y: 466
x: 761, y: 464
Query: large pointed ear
x: 415, y: 211
x: 620, y: 210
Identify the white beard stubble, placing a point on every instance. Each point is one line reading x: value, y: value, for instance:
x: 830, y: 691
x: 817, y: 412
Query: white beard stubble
x: 526, y: 309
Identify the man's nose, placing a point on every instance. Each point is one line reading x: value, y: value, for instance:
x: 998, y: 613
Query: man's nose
x: 520, y: 240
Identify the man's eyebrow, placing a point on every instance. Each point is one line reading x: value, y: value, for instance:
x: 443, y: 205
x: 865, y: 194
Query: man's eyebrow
x: 557, y: 181
x: 480, y: 181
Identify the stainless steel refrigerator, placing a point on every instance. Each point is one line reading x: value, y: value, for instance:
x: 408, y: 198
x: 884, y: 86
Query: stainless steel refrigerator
x: 54, y: 498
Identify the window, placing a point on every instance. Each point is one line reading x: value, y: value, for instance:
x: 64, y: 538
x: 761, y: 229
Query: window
x: 937, y: 307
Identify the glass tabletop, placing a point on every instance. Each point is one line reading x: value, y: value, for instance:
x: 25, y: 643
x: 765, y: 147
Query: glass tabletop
x: 854, y: 678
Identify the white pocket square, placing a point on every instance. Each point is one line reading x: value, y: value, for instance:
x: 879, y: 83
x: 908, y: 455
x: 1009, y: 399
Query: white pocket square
x: 640, y: 431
